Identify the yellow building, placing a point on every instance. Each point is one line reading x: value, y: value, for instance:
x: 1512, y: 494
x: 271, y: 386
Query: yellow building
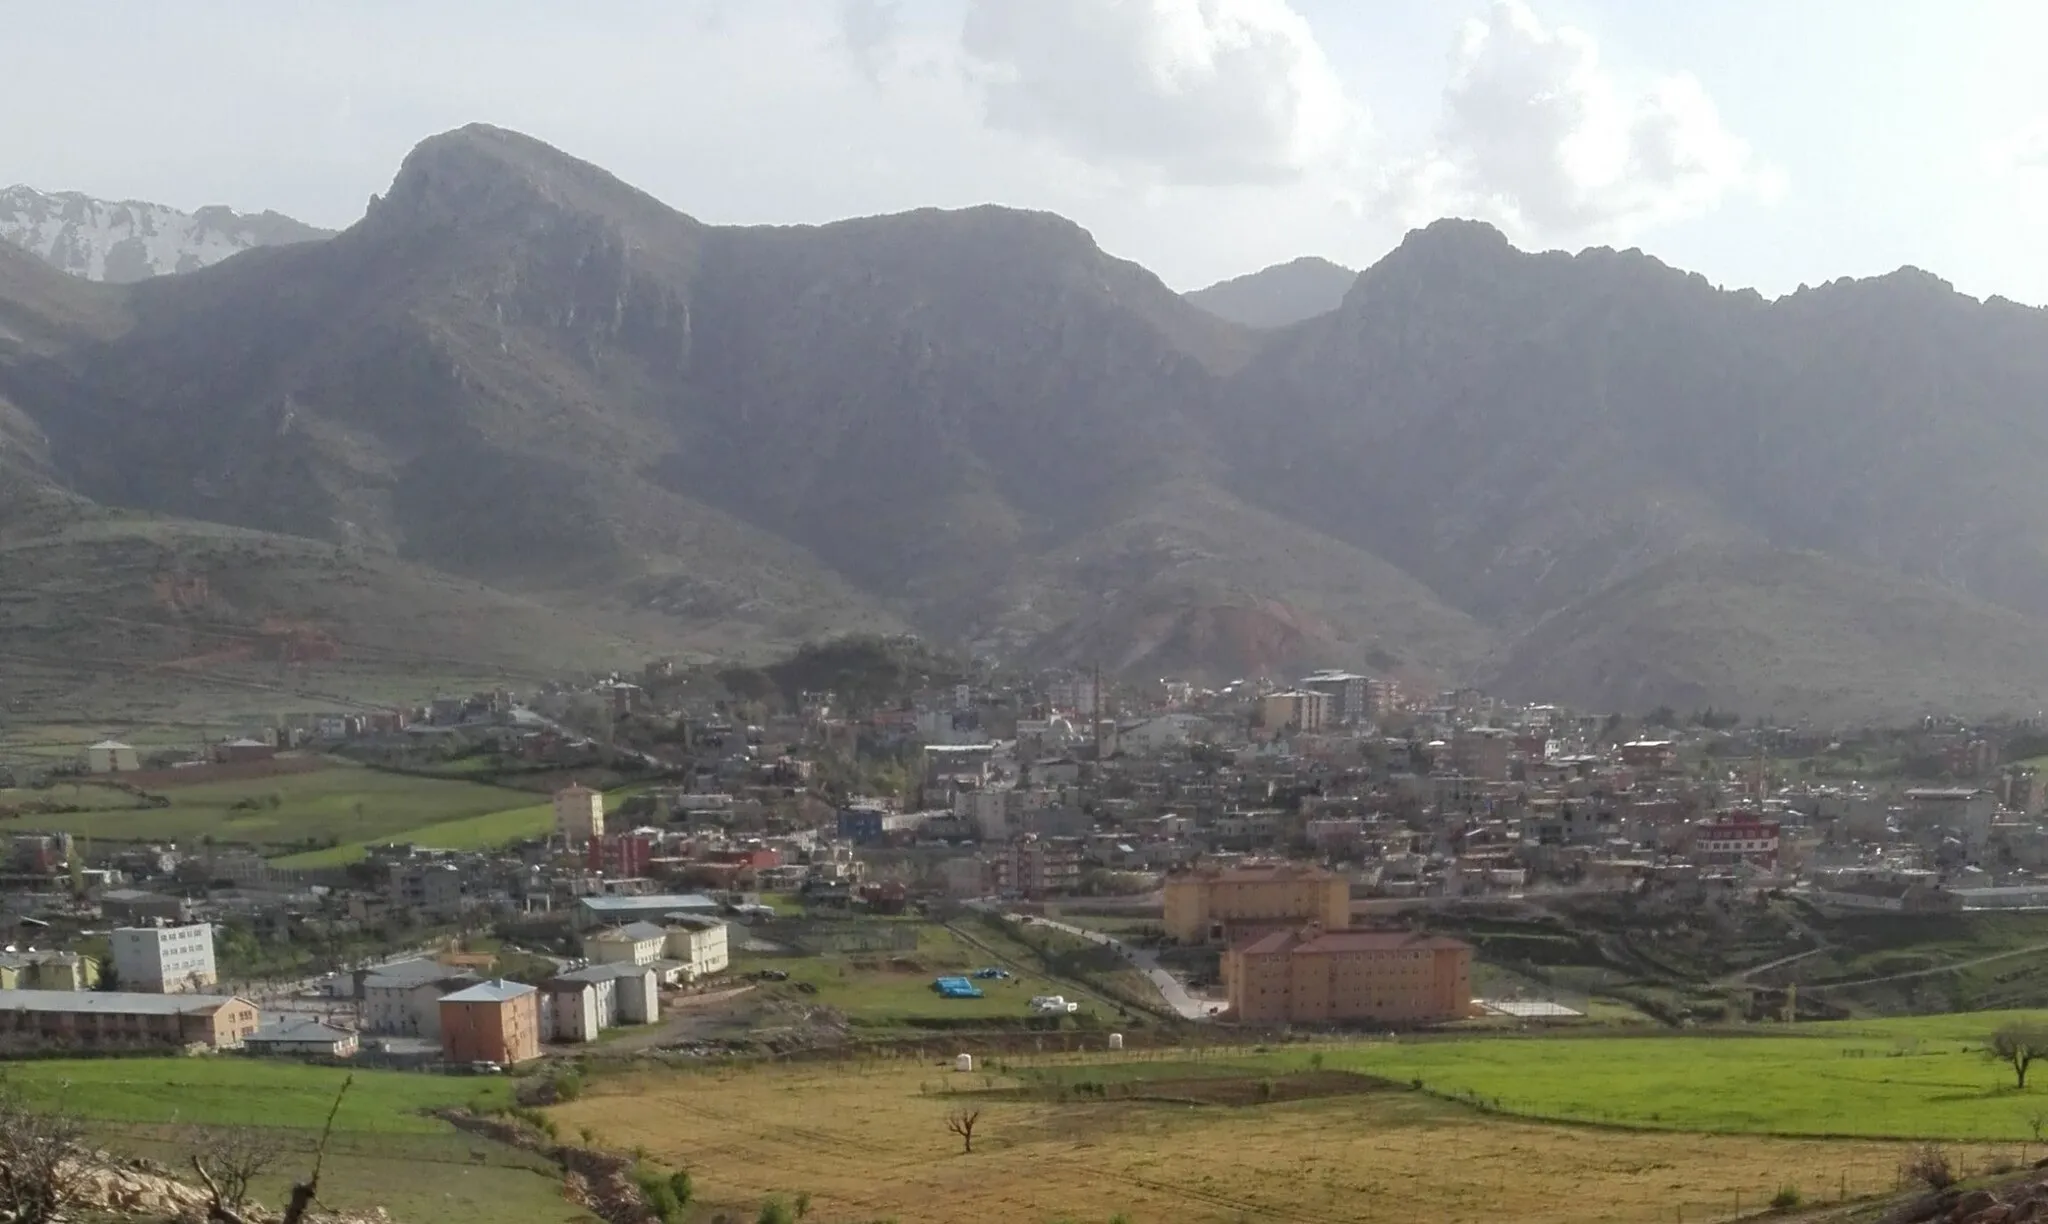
x: 1216, y: 905
x: 579, y: 815
x: 1314, y: 976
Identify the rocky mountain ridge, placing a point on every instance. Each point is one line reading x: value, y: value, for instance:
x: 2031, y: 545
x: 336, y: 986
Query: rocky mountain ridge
x: 122, y: 241
x: 1590, y: 478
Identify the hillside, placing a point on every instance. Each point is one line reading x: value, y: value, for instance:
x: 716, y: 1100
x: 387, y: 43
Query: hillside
x: 521, y: 380
x: 1278, y: 296
x: 120, y: 241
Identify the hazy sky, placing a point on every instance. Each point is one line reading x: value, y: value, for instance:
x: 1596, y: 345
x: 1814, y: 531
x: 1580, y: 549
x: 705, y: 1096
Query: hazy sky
x: 1760, y: 142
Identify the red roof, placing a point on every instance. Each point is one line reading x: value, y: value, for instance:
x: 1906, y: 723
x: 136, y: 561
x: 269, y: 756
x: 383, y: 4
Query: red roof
x: 1312, y: 941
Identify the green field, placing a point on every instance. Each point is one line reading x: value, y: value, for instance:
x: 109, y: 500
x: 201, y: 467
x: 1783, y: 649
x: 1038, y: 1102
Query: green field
x: 385, y: 1152
x: 344, y: 802
x: 1923, y: 1077
x: 467, y: 833
x: 896, y: 988
x: 233, y: 1091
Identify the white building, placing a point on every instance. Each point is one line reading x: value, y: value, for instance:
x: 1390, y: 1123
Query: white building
x: 636, y: 943
x: 164, y: 960
x: 701, y: 945
x: 110, y: 756
x: 579, y: 815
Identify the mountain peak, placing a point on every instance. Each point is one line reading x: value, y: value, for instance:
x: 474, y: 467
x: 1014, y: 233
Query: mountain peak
x: 478, y: 173
x: 132, y: 240
x: 1278, y: 296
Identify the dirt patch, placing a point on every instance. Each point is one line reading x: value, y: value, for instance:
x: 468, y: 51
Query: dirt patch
x: 1224, y: 1090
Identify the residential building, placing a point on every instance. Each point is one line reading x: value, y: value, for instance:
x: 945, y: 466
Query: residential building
x: 1737, y: 837
x: 491, y: 1022
x: 1347, y: 694
x: 119, y: 1019
x: 1965, y: 811
x: 702, y: 946
x: 579, y: 815
x: 34, y: 970
x: 111, y: 756
x: 622, y: 856
x: 429, y: 887
x: 1037, y: 867
x: 1482, y: 753
x: 1211, y: 905
x: 636, y: 943
x: 625, y: 993
x: 1311, y: 975
x: 164, y: 959
x: 573, y: 1009
x: 1299, y: 709
x: 302, y: 1036
x: 404, y: 999
x: 135, y: 907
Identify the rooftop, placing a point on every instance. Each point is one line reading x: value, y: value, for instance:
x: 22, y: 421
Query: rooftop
x: 656, y: 901
x: 497, y: 990
x: 111, y: 1002
x: 634, y: 931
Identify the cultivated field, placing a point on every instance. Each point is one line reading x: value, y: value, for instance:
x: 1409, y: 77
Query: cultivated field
x: 871, y: 1143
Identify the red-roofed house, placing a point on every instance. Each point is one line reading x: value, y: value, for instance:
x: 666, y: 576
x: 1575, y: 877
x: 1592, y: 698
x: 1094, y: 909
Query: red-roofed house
x: 1310, y: 975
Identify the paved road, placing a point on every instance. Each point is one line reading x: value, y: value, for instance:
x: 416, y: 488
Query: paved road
x: 1170, y: 988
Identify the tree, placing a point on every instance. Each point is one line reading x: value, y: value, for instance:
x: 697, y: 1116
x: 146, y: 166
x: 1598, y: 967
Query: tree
x: 962, y: 1123
x: 41, y: 1161
x: 2017, y: 1046
x: 229, y: 1162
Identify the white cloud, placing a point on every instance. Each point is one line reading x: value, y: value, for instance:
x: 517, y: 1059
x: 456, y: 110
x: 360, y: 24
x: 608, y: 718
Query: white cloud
x: 2023, y: 150
x: 1203, y: 92
x: 1537, y: 134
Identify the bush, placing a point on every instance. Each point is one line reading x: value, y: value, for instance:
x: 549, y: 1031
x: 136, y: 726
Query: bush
x: 659, y: 1196
x: 1787, y: 1198
x: 1929, y: 1164
x: 1265, y: 1090
x: 568, y: 1086
x: 775, y: 1211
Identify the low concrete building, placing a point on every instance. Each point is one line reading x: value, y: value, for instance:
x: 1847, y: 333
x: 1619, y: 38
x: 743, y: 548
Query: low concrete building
x: 48, y: 971
x: 124, y: 1020
x: 404, y: 999
x: 491, y: 1022
x: 654, y: 907
x: 571, y: 1009
x: 110, y: 756
x: 636, y: 943
x: 302, y: 1036
x: 702, y: 946
x: 164, y: 959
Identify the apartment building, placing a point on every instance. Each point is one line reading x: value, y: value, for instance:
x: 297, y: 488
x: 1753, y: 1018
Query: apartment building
x: 1299, y: 709
x: 1213, y: 905
x: 430, y: 888
x: 1309, y: 975
x: 124, y: 1020
x: 702, y: 946
x: 579, y: 815
x: 491, y: 1022
x: 164, y: 959
x: 1036, y: 867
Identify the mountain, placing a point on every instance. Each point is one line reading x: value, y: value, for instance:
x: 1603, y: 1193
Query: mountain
x: 522, y: 384
x: 120, y: 241
x: 1278, y: 296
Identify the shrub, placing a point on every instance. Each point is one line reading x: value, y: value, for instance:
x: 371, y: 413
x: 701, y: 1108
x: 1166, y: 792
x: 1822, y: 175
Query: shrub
x: 1787, y: 1198
x: 775, y: 1211
x: 1265, y: 1090
x: 568, y: 1086
x: 660, y: 1198
x: 1929, y: 1164
x: 679, y: 1185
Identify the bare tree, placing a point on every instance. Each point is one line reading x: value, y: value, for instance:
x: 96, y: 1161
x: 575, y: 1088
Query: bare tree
x: 41, y: 1160
x: 961, y: 1123
x: 2017, y: 1046
x: 229, y: 1162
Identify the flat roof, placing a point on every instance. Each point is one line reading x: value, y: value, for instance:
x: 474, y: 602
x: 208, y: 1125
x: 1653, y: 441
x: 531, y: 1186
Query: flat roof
x: 497, y: 991
x: 627, y: 905
x: 113, y: 1002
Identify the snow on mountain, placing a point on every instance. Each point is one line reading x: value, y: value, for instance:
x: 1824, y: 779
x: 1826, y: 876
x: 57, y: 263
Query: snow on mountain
x: 132, y: 240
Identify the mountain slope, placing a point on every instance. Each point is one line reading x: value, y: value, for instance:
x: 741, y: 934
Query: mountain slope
x: 121, y: 241
x: 1278, y: 296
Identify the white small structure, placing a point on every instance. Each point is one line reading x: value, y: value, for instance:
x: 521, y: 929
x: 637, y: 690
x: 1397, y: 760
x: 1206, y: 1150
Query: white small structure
x: 963, y: 1062
x: 110, y: 756
x: 1116, y: 1041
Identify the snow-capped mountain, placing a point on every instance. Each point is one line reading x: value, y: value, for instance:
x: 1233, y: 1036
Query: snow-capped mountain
x: 131, y: 240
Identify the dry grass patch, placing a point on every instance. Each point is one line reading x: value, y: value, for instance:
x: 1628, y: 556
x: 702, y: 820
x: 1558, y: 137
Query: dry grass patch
x: 872, y: 1142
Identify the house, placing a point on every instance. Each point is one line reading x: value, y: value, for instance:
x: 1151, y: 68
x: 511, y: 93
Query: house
x: 431, y: 888
x: 700, y: 945
x: 491, y: 1022
x: 1311, y: 975
x: 621, y: 992
x: 636, y: 943
x: 1211, y: 905
x: 164, y: 959
x: 243, y: 751
x: 110, y: 756
x: 135, y: 907
x: 33, y: 970
x: 302, y: 1036
x: 1737, y: 837
x: 119, y: 1020
x: 1300, y: 709
x: 572, y: 1009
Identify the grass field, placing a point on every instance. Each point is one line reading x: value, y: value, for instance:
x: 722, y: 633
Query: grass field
x: 889, y: 989
x: 870, y: 1142
x: 343, y: 801
x: 465, y: 833
x: 385, y: 1152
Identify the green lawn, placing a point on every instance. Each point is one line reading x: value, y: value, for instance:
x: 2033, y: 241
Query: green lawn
x: 486, y: 829
x: 238, y: 1091
x: 343, y: 801
x: 1918, y: 1077
x: 868, y: 989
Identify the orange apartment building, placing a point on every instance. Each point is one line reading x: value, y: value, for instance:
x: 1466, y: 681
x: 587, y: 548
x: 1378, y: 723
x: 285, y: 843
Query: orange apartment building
x: 1314, y: 976
x: 495, y: 1022
x: 1220, y: 905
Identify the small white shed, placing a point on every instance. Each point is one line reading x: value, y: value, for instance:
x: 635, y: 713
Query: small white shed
x: 963, y: 1062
